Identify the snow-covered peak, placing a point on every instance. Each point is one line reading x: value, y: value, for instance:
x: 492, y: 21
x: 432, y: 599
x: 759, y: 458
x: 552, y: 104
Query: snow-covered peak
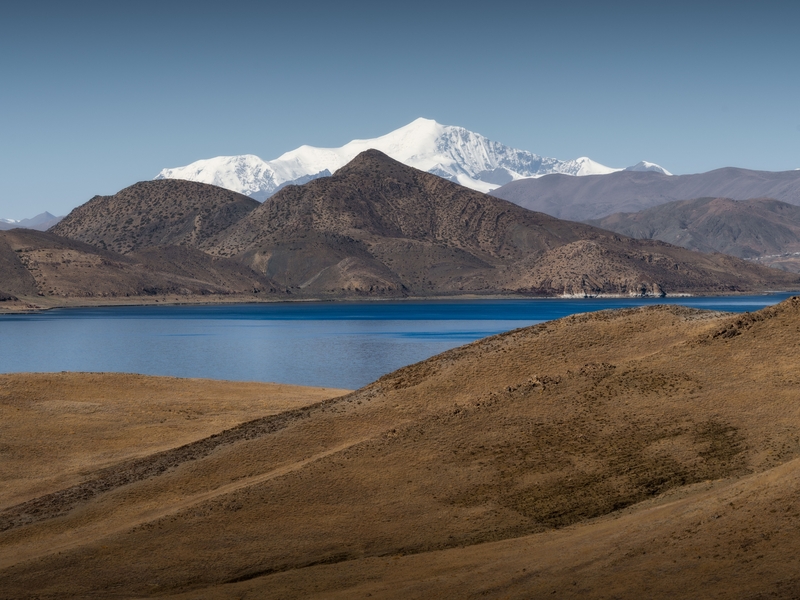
x: 589, y: 167
x: 648, y: 166
x: 246, y: 173
x: 454, y: 153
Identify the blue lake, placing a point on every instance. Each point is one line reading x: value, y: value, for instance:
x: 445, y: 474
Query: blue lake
x: 342, y: 344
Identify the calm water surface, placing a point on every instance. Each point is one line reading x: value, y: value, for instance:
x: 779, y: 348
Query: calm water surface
x: 343, y: 345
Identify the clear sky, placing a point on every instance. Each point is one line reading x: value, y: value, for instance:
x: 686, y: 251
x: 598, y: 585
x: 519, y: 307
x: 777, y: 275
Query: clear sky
x: 95, y: 96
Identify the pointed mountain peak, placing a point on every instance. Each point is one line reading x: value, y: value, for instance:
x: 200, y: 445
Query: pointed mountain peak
x: 369, y: 161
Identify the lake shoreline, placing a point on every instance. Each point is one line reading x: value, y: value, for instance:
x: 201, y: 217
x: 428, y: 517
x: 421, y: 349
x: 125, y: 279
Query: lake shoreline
x: 30, y: 305
x: 344, y: 344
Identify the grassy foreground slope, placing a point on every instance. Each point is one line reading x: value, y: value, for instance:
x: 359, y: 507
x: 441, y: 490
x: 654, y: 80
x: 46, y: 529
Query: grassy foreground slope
x: 58, y: 427
x: 635, y: 453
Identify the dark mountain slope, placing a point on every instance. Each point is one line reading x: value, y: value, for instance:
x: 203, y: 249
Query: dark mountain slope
x: 764, y: 230
x: 15, y: 278
x: 155, y: 213
x: 34, y: 263
x: 595, y: 196
x: 378, y: 226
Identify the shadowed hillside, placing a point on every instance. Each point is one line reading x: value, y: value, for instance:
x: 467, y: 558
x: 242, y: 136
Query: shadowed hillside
x: 40, y: 265
x: 637, y: 453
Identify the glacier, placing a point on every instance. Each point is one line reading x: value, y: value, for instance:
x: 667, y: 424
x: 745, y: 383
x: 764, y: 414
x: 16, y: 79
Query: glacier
x: 452, y: 152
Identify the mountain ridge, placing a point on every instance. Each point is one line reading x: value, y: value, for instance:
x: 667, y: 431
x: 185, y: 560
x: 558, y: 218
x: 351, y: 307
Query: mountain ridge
x: 451, y: 152
x: 41, y: 222
x: 375, y: 228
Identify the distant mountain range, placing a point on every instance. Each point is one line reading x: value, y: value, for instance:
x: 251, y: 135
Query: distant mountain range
x: 375, y: 228
x: 767, y: 231
x: 41, y: 222
x: 379, y: 227
x: 595, y: 197
x: 453, y: 153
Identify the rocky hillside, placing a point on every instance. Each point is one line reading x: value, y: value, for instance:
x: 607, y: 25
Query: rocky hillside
x: 597, y: 196
x: 380, y: 227
x: 155, y: 213
x: 763, y: 230
x: 631, y: 454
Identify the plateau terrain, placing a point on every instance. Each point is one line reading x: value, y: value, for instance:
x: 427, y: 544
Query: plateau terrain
x: 650, y: 452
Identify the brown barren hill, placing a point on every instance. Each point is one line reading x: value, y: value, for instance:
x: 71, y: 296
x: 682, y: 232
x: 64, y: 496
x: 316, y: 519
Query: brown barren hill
x: 634, y: 453
x: 379, y: 227
x: 155, y: 213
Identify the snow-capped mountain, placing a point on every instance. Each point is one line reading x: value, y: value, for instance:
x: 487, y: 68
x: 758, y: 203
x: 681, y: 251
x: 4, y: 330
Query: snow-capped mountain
x: 648, y: 166
x: 451, y: 152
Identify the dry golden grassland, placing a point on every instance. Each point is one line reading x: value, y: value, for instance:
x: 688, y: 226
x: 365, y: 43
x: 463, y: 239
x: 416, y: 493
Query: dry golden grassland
x: 58, y: 428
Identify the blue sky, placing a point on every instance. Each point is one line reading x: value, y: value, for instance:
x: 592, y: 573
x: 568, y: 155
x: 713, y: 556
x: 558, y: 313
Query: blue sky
x: 95, y: 96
